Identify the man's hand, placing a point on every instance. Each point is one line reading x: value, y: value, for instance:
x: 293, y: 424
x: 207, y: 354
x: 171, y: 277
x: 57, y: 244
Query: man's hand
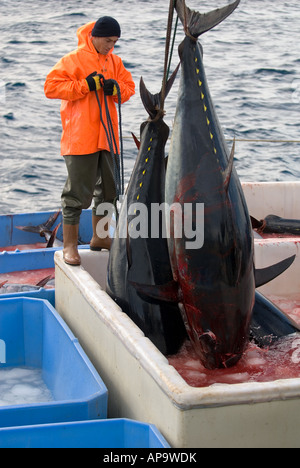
x: 93, y: 81
x: 110, y: 88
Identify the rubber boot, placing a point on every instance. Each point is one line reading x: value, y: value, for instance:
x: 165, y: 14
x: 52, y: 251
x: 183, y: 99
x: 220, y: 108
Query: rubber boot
x: 70, y: 252
x: 103, y: 242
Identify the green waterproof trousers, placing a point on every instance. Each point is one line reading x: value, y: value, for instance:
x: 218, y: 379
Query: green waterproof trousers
x: 90, y: 177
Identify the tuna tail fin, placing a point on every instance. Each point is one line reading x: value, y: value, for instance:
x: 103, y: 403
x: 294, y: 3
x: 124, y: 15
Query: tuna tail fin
x: 152, y: 102
x: 41, y: 228
x: 198, y: 23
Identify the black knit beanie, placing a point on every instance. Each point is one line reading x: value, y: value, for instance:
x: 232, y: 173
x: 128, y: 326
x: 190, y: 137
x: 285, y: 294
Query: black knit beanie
x: 106, y: 27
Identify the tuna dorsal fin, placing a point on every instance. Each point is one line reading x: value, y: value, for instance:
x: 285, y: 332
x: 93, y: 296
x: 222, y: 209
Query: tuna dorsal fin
x: 198, y: 23
x: 152, y: 102
x: 266, y: 275
x: 227, y: 173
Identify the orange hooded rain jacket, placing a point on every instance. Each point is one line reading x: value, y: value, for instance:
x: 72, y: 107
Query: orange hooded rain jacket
x: 83, y: 132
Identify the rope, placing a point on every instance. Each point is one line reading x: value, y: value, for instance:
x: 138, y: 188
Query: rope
x: 267, y: 141
x: 173, y: 45
x: 241, y: 140
x: 186, y: 29
x: 118, y: 159
x: 167, y: 51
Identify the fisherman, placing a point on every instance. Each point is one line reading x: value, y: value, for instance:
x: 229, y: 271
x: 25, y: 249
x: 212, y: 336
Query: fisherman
x: 76, y: 79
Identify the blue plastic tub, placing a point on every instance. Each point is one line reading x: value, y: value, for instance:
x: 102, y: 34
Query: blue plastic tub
x: 26, y: 260
x: 33, y: 335
x: 111, y: 433
x: 46, y: 294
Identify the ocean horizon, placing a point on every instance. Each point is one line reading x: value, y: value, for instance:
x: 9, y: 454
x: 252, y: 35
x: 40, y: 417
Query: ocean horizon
x: 251, y: 60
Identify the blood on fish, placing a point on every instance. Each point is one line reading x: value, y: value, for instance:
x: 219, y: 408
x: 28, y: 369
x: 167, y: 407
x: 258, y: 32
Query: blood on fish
x: 280, y: 361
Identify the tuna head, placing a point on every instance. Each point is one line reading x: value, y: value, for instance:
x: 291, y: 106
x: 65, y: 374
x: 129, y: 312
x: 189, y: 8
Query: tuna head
x: 217, y: 349
x: 213, y: 358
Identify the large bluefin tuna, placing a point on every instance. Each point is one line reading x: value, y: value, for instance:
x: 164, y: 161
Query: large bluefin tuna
x: 212, y: 278
x: 216, y: 280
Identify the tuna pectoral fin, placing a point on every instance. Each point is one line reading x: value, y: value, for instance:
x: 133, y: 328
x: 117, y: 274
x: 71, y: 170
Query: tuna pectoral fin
x: 198, y: 23
x: 266, y: 275
x: 165, y: 293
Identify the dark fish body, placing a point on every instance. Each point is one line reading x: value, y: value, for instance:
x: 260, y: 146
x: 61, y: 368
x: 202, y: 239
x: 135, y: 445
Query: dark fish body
x: 277, y: 225
x: 17, y: 288
x: 269, y: 322
x: 145, y: 260
x: 11, y: 288
x: 216, y: 282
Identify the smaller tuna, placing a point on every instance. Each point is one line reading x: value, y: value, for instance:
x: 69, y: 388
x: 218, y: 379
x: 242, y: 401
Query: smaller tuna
x: 275, y: 224
x: 145, y: 258
x: 13, y: 288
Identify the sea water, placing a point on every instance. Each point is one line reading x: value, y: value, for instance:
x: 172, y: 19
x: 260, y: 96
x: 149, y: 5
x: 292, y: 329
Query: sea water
x: 251, y: 60
x: 23, y: 386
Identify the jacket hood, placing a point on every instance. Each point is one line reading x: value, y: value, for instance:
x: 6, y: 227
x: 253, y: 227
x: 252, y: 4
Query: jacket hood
x: 84, y: 34
x: 84, y: 37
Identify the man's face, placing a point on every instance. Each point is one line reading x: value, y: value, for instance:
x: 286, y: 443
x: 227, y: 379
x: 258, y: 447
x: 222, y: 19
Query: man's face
x: 104, y: 45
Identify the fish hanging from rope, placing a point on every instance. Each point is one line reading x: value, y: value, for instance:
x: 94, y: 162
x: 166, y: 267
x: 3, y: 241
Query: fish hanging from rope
x: 144, y: 258
x: 214, y: 281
